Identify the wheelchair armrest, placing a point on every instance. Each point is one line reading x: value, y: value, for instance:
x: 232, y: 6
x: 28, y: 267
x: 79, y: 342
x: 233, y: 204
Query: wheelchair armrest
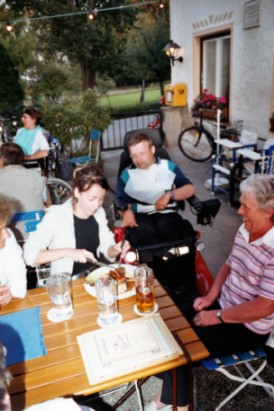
x: 167, y: 249
x: 205, y: 210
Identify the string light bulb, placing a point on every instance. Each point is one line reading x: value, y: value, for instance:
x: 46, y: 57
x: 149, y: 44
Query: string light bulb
x: 92, y: 14
x: 9, y: 27
x: 161, y: 5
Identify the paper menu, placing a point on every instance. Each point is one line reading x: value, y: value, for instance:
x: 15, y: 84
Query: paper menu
x: 130, y: 346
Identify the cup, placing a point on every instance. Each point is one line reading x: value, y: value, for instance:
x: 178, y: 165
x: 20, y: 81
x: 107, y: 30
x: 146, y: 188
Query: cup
x: 59, y: 289
x: 106, y: 293
x: 144, y: 289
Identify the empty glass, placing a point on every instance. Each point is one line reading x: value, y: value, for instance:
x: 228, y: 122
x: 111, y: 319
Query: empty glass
x: 59, y: 289
x: 106, y: 293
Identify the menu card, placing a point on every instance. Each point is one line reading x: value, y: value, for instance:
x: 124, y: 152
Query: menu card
x: 127, y: 347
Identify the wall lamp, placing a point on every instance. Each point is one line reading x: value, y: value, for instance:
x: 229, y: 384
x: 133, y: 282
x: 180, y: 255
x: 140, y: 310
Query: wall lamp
x: 172, y: 50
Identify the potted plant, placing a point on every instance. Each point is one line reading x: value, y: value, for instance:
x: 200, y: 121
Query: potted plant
x: 210, y: 103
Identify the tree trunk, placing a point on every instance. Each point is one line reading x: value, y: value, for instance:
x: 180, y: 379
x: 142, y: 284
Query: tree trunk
x: 162, y: 88
x: 88, y: 75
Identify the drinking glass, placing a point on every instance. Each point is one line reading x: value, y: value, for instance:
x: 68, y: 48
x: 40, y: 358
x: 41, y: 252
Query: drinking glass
x: 59, y: 289
x: 106, y: 293
x: 144, y: 290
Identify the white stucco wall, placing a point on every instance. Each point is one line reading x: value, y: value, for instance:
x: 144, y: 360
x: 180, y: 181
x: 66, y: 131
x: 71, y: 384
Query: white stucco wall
x: 252, y: 55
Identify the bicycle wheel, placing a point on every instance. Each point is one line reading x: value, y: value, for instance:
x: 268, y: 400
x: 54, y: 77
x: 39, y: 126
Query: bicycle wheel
x: 59, y: 190
x: 196, y: 145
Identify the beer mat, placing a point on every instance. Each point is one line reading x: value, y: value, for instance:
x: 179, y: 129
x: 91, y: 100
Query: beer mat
x: 133, y: 345
x: 21, y: 333
x: 155, y: 309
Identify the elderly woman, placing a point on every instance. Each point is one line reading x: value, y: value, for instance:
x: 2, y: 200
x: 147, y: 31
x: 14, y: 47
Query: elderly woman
x: 31, y: 137
x: 237, y: 314
x: 73, y: 232
x: 13, y: 280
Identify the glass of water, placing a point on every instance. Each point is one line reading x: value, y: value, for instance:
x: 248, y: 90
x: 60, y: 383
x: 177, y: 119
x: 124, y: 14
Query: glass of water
x: 59, y: 290
x: 106, y: 293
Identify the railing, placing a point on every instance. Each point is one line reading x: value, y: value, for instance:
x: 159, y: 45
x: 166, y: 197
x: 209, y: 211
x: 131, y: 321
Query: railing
x: 113, y: 136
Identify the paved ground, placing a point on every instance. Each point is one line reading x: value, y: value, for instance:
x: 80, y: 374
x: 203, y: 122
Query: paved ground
x: 210, y: 387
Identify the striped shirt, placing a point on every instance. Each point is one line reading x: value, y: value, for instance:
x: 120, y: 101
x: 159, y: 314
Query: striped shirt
x: 251, y: 275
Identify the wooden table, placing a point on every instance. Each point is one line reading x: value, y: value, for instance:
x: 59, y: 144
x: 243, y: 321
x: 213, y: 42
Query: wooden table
x: 61, y: 372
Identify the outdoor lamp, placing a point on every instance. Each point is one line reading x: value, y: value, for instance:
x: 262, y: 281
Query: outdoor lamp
x: 172, y: 50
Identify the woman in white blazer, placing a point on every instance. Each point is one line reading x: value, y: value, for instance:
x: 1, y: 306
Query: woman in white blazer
x: 73, y: 232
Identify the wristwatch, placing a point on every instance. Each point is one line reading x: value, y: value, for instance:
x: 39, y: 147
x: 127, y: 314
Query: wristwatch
x: 219, y: 316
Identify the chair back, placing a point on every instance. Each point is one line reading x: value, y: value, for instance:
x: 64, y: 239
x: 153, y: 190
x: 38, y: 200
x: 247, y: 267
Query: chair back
x: 31, y: 218
x: 204, y: 279
x: 94, y: 136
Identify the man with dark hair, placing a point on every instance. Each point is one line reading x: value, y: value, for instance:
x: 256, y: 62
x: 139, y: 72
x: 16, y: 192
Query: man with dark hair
x: 147, y: 192
x: 25, y: 188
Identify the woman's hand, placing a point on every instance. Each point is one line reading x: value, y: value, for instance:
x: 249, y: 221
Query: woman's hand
x: 80, y: 255
x: 5, y: 294
x: 205, y: 318
x: 119, y: 248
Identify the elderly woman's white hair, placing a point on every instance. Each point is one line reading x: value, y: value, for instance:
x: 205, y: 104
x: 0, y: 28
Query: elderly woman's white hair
x: 261, y: 186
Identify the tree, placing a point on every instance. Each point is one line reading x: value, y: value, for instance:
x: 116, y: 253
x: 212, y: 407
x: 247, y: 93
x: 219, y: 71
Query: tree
x: 145, y: 48
x: 96, y: 46
x: 11, y: 93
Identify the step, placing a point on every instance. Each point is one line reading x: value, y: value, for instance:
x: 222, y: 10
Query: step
x: 222, y: 169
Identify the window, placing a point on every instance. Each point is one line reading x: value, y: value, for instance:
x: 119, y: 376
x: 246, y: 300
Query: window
x: 216, y: 64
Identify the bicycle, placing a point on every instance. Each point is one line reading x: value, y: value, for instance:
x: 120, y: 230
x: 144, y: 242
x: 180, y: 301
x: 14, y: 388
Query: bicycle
x: 59, y: 189
x: 5, y: 135
x: 198, y: 144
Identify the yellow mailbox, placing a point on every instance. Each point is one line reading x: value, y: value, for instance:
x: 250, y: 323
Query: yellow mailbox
x: 176, y: 94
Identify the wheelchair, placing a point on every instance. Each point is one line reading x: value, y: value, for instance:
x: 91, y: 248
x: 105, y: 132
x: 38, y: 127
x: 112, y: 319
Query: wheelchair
x: 166, y: 256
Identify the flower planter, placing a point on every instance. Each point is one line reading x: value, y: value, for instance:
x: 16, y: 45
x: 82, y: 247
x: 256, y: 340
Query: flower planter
x: 211, y: 114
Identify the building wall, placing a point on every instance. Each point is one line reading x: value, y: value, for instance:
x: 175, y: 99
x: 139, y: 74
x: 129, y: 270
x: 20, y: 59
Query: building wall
x: 252, y: 55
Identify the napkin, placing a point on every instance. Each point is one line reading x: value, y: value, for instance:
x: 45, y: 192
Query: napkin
x: 21, y: 333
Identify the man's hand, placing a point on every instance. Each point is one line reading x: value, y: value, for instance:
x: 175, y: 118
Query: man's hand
x: 202, y: 302
x: 205, y: 318
x: 5, y: 295
x: 162, y: 202
x: 129, y: 219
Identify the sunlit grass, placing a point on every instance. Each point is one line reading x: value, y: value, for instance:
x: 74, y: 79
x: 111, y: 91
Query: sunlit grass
x: 130, y: 99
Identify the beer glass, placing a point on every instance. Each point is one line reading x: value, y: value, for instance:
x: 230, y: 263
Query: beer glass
x: 144, y: 290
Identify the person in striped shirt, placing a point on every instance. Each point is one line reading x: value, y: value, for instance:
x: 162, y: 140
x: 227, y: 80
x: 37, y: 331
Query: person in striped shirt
x: 237, y: 314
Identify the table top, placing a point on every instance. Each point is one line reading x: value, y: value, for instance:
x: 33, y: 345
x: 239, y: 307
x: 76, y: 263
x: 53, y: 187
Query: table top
x: 61, y: 372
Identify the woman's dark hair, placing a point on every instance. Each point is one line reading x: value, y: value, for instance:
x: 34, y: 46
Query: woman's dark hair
x: 34, y: 114
x: 88, y: 175
x: 11, y: 154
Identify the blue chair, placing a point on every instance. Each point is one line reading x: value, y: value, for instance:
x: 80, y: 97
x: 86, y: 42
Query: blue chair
x: 93, y: 150
x: 32, y: 218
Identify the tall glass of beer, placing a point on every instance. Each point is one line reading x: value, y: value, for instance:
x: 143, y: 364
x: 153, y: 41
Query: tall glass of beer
x: 144, y: 289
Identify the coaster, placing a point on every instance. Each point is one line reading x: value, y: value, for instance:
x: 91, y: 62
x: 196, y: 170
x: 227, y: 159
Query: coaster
x: 155, y: 309
x: 56, y: 318
x: 117, y: 321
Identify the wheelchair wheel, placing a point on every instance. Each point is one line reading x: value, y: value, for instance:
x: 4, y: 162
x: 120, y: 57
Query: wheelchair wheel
x: 59, y: 190
x: 196, y: 144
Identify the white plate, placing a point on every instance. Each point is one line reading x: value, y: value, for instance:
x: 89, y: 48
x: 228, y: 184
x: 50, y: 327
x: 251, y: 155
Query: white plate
x: 99, y: 272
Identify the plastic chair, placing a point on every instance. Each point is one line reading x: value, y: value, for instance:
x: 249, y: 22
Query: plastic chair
x: 32, y: 218
x: 94, y: 140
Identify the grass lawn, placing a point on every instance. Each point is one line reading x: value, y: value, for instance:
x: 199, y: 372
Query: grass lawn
x: 130, y: 99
